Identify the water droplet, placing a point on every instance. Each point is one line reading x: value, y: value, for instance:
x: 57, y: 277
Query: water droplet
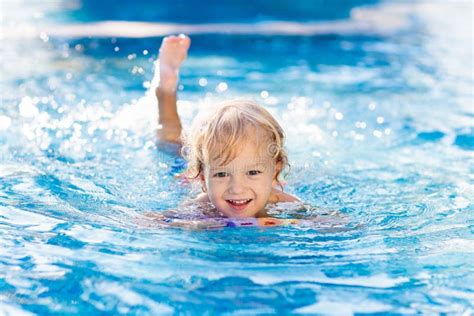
x: 203, y: 82
x: 221, y: 87
x: 5, y: 122
x: 359, y: 137
x: 44, y: 37
x: 377, y: 133
x: 149, y: 145
x: 138, y: 70
x: 338, y: 116
x: 28, y: 108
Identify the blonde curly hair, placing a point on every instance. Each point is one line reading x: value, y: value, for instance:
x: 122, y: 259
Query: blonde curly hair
x: 222, y: 135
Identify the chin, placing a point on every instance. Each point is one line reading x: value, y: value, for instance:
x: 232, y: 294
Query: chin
x: 238, y: 214
x: 243, y: 215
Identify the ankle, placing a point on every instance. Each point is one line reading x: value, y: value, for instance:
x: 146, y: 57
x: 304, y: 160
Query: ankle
x: 168, y: 80
x: 166, y: 88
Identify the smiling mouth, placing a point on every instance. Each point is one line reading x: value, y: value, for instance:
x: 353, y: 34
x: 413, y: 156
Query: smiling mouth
x: 239, y: 204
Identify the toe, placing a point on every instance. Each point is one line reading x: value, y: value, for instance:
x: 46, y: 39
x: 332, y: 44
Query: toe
x: 171, y: 39
x: 184, y: 40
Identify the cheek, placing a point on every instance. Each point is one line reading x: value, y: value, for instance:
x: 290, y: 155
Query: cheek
x: 264, y: 185
x: 215, y: 187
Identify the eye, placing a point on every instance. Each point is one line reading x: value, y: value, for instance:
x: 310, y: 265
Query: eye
x: 221, y: 174
x: 254, y: 172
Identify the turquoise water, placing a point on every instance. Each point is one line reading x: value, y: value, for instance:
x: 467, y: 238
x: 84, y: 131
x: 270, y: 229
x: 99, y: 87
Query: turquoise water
x: 375, y: 97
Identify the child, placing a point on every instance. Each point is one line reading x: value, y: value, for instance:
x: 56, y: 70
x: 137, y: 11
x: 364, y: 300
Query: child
x: 236, y: 154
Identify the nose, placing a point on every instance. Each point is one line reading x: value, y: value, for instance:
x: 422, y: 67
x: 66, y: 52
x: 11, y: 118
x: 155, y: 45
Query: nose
x: 237, y: 185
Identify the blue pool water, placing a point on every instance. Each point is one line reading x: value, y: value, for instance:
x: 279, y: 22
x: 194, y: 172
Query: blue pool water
x: 377, y: 102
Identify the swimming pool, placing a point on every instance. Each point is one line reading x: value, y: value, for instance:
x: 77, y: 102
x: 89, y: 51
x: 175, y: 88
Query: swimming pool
x: 375, y: 97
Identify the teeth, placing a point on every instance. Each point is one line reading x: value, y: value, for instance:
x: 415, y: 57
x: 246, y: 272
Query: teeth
x: 239, y: 201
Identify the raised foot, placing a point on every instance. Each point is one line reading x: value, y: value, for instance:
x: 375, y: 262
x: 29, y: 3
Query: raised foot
x: 173, y: 52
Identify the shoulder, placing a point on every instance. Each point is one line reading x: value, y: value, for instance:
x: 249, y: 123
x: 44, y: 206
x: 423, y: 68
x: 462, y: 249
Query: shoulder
x: 201, y: 203
x: 201, y: 198
x: 280, y: 196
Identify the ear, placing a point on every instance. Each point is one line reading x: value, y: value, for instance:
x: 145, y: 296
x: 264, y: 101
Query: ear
x: 276, y: 171
x: 202, y: 180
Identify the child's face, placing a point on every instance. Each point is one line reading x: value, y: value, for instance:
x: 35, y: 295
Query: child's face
x: 243, y: 187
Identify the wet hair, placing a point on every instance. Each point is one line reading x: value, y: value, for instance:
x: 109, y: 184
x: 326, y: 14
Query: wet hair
x: 222, y: 136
